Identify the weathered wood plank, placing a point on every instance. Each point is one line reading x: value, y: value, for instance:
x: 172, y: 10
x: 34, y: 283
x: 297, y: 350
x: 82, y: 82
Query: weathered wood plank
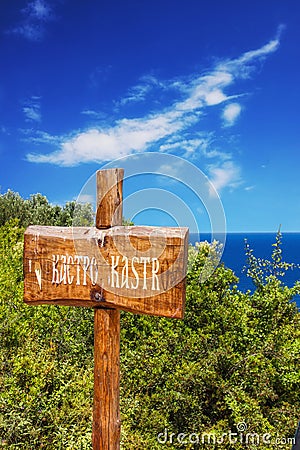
x: 109, y: 197
x: 138, y: 269
x: 106, y: 414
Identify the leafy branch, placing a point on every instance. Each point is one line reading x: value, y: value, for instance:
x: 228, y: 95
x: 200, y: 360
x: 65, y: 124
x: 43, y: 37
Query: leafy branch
x: 262, y: 270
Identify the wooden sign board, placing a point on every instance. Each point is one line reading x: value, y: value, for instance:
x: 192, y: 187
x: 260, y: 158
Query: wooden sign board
x: 138, y: 269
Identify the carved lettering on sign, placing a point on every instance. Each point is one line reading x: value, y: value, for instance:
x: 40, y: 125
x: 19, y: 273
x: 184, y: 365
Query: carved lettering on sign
x: 124, y: 281
x: 76, y: 269
x: 68, y: 269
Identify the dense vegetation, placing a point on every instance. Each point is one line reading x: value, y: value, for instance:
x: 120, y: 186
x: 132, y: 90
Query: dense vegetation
x: 231, y: 364
x: 38, y: 211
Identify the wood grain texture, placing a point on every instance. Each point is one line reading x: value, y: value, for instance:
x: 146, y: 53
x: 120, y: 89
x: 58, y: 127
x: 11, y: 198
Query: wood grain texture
x: 109, y: 197
x: 106, y: 411
x: 138, y: 269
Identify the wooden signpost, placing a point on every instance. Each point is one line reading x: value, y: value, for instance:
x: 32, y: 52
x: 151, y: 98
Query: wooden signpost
x: 108, y: 267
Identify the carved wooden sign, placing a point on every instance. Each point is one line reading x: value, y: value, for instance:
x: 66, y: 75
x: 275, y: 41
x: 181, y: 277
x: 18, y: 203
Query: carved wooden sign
x: 108, y: 267
x: 138, y: 269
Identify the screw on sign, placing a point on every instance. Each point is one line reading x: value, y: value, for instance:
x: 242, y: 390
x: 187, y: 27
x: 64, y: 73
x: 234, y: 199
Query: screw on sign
x: 108, y: 267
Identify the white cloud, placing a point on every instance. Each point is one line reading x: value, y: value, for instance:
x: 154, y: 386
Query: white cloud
x: 127, y: 136
x: 215, y: 97
x: 243, y: 66
x: 192, y: 97
x: 225, y: 175
x: 231, y: 113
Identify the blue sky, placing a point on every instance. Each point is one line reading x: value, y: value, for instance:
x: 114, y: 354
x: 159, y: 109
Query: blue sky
x: 214, y: 83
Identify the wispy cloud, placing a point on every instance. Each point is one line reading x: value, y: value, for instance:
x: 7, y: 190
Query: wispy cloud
x: 94, y: 115
x: 35, y: 15
x: 226, y: 174
x: 171, y: 128
x: 40, y: 137
x: 138, y: 93
x: 189, y: 146
x: 32, y: 109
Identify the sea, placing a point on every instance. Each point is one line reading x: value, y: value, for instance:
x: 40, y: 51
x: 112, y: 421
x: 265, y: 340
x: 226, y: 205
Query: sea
x: 234, y: 254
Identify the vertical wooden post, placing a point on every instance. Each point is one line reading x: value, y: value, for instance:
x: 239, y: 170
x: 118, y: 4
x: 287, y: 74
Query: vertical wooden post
x: 106, y: 411
x: 109, y: 198
x: 106, y: 416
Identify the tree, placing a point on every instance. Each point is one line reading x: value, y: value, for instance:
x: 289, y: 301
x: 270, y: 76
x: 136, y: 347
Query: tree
x: 12, y: 206
x: 38, y: 211
x: 232, y: 364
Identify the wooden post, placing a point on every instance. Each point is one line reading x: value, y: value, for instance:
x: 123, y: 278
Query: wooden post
x: 106, y: 414
x: 109, y: 198
x: 106, y: 411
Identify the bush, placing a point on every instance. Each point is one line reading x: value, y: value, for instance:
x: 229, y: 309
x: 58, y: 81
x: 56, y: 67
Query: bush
x: 232, y: 361
x: 46, y: 363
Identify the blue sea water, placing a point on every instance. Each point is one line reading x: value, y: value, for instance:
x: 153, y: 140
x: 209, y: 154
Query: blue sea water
x: 234, y: 254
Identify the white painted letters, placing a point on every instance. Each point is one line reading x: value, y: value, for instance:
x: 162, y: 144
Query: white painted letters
x: 94, y: 271
x: 114, y: 273
x: 67, y: 268
x: 155, y: 281
x: 55, y: 275
x: 134, y: 273
x: 139, y: 279
x: 70, y: 263
x: 124, y: 282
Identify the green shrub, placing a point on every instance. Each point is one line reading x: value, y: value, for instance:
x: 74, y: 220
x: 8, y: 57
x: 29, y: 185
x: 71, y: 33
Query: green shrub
x: 233, y: 360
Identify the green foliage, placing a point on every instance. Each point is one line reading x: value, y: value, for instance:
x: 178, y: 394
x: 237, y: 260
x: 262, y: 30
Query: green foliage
x: 46, y: 363
x: 127, y: 222
x: 38, y: 211
x: 263, y: 271
x: 233, y: 359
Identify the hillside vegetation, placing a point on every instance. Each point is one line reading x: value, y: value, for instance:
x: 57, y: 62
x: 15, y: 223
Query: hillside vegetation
x: 232, y: 364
